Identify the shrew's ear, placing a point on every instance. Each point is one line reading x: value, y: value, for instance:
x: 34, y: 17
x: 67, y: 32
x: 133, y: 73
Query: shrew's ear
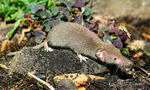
x: 100, y: 54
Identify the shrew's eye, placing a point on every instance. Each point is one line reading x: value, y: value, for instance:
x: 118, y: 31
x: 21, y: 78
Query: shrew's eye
x: 115, y: 58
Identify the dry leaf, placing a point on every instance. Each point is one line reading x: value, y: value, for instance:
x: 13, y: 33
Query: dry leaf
x: 3, y: 66
x: 146, y: 35
x: 23, y: 34
x: 78, y: 79
x: 81, y: 88
x: 4, y: 45
x: 138, y: 55
x: 136, y: 45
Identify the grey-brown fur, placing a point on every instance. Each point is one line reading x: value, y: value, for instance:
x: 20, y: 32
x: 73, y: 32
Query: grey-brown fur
x: 82, y: 40
x: 74, y: 36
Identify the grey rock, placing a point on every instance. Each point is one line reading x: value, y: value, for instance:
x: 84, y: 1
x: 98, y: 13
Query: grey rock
x: 66, y: 84
x: 52, y: 63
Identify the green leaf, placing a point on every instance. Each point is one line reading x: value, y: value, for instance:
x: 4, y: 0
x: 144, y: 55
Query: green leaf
x: 54, y: 9
x: 147, y: 53
x: 87, y: 12
x: 20, y: 14
x: 26, y: 2
x: 6, y: 3
x: 1, y: 7
x: 85, y: 0
x: 47, y: 26
x: 125, y: 51
x: 43, y: 14
x: 14, y: 28
x: 104, y: 29
x: 49, y: 3
x: 106, y: 37
x: 35, y: 7
x: 57, y: 3
x: 39, y: 36
x: 68, y: 3
x: 60, y: 16
x: 39, y: 85
x: 39, y: 39
x: 6, y: 18
x: 112, y: 37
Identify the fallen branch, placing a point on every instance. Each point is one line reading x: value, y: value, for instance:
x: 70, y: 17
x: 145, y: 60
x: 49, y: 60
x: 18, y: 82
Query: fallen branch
x: 40, y: 80
x: 147, y: 72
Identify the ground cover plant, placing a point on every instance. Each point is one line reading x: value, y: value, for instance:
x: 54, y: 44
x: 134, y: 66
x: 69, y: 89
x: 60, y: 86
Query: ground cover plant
x: 36, y: 19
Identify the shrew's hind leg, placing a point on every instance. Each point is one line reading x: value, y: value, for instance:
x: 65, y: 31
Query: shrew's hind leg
x: 45, y: 46
x: 39, y: 46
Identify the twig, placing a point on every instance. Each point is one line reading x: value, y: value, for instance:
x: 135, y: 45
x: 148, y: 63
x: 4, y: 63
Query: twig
x: 3, y: 66
x: 40, y: 80
x: 13, y: 53
x: 148, y: 73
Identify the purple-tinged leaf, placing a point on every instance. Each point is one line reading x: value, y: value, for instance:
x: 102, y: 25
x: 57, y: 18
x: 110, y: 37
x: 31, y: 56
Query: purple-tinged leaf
x: 69, y: 3
x: 79, y: 20
x: 27, y: 16
x: 79, y: 3
x: 113, y: 28
x: 39, y: 36
x: 117, y: 43
x: 87, y: 25
x: 96, y: 27
x: 39, y: 32
x: 124, y: 36
x: 54, y: 23
x: 66, y: 12
x: 93, y: 26
x: 60, y: 16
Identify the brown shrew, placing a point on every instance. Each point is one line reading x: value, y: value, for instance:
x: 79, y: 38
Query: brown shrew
x: 83, y: 41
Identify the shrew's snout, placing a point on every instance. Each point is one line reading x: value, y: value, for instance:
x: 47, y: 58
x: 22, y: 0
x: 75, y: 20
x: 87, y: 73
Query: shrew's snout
x: 129, y: 63
x: 125, y: 62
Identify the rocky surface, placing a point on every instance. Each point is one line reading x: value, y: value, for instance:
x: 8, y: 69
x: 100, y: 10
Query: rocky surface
x: 4, y: 29
x: 116, y: 8
x: 56, y: 63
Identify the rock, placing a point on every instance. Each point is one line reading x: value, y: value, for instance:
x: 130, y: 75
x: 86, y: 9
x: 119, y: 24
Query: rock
x: 4, y: 29
x: 66, y: 84
x: 115, y: 8
x: 52, y: 63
